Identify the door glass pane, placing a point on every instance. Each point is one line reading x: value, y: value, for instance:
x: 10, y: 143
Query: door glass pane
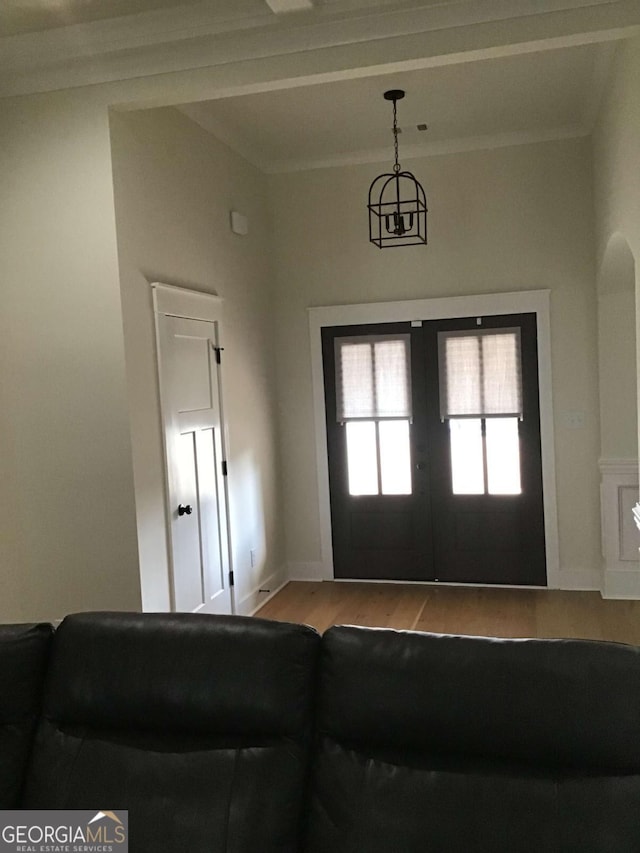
x: 373, y: 377
x: 467, y: 469
x: 503, y: 456
x: 460, y: 368
x: 356, y: 381
x: 502, y: 381
x: 393, y: 395
x: 480, y: 373
x: 362, y: 459
x: 395, y: 457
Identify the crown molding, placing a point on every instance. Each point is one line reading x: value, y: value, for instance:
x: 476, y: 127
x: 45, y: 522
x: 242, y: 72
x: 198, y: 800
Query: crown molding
x: 428, y: 149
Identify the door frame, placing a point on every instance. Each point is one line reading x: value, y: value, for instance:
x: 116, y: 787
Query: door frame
x: 442, y: 308
x: 172, y: 301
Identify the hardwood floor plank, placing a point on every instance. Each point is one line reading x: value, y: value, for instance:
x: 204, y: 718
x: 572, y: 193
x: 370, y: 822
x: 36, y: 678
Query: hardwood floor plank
x: 440, y: 614
x: 408, y: 608
x: 366, y: 604
x: 482, y: 611
x: 570, y: 614
x: 295, y: 602
x: 621, y: 621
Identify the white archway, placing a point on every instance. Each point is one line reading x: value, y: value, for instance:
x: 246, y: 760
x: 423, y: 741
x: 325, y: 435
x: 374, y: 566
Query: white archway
x: 617, y: 351
x: 618, y: 383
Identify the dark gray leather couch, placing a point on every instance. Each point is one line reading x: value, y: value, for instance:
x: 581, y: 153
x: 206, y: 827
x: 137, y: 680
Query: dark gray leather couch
x: 247, y: 736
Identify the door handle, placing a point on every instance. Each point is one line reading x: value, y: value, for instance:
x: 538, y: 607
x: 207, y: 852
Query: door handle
x: 185, y: 510
x: 421, y: 466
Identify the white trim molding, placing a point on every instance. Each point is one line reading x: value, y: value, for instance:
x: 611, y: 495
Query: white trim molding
x: 259, y: 596
x: 530, y: 301
x: 280, y: 7
x: 182, y: 302
x: 620, y: 537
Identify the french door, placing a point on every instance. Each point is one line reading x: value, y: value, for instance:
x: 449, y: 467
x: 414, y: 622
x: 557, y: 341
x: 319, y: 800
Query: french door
x: 435, y: 467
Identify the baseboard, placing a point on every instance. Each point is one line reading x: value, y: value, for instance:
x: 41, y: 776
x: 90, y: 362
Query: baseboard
x: 621, y: 584
x: 579, y: 579
x: 314, y: 571
x: 259, y: 596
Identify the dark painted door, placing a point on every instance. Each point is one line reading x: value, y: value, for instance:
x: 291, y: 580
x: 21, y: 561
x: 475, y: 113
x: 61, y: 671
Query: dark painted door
x: 422, y: 493
x: 380, y: 509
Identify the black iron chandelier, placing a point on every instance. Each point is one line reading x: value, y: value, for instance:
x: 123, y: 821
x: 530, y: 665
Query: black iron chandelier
x: 397, y: 202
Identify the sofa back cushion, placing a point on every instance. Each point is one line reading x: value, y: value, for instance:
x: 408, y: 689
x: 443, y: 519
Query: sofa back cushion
x: 198, y: 725
x: 432, y: 742
x: 23, y: 658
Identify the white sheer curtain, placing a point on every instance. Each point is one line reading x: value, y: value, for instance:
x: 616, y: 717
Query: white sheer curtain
x: 480, y: 374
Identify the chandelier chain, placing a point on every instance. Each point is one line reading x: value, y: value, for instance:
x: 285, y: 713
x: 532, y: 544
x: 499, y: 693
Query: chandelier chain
x: 396, y: 168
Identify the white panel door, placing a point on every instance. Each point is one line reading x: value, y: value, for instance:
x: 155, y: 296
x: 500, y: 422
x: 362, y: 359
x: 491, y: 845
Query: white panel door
x: 196, y: 471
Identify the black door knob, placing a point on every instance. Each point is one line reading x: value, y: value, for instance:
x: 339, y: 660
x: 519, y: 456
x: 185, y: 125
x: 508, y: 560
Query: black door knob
x: 185, y: 510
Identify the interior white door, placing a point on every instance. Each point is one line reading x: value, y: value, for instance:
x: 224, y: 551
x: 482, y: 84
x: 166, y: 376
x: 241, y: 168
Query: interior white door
x: 188, y: 353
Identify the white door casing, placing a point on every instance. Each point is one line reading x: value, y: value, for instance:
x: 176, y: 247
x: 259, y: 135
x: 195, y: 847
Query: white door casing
x: 189, y: 372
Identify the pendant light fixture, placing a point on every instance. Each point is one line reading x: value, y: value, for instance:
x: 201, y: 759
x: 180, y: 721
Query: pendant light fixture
x: 397, y: 202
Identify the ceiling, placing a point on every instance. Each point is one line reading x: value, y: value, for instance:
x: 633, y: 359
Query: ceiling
x: 26, y: 16
x: 532, y: 96
x: 18, y: 17
x: 295, y: 84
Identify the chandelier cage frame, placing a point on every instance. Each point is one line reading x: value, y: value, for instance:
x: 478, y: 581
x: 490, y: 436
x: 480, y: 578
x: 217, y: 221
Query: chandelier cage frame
x: 397, y: 201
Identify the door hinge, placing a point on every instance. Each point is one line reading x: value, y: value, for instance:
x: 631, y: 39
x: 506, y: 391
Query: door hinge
x: 225, y: 470
x: 218, y: 351
x: 231, y: 579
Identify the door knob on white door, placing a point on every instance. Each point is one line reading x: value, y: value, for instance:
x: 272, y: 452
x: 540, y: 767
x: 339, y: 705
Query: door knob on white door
x: 185, y: 510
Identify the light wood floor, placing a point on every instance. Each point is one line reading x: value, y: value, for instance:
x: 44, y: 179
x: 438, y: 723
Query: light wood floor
x: 457, y: 610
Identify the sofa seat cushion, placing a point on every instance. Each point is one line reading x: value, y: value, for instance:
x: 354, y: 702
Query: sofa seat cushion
x: 443, y: 743
x: 199, y: 726
x: 362, y: 802
x: 23, y: 658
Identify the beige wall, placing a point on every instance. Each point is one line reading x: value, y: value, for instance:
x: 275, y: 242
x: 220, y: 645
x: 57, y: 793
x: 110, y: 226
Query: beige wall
x: 516, y: 218
x: 617, y: 197
x: 67, y: 514
x: 175, y: 186
x: 67, y: 492
x: 500, y: 220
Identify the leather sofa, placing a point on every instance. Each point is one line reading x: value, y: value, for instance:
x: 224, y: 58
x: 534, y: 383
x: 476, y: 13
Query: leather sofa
x: 247, y: 736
